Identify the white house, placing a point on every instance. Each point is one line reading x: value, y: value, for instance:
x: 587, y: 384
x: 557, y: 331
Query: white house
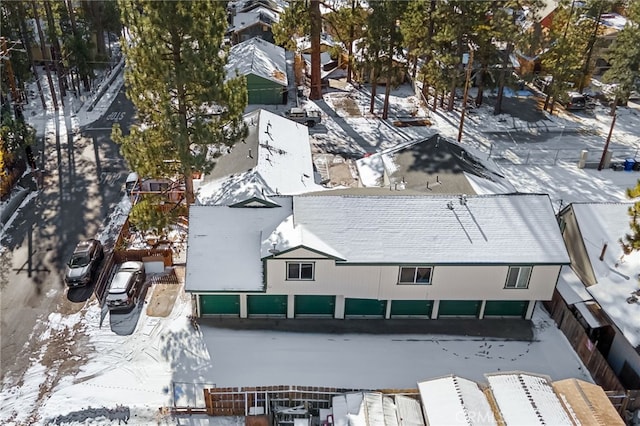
x: 603, y: 287
x: 375, y: 256
x: 273, y: 159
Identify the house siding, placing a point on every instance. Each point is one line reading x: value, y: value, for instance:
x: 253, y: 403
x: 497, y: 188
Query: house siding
x: 621, y: 351
x: 575, y: 246
x: 460, y: 282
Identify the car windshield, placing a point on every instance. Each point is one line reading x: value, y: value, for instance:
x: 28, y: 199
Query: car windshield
x: 79, y: 261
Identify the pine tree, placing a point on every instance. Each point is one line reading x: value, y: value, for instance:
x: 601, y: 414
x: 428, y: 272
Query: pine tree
x: 175, y: 77
x: 625, y: 58
x: 631, y: 241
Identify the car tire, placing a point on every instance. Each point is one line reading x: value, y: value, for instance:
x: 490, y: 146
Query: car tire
x: 311, y: 123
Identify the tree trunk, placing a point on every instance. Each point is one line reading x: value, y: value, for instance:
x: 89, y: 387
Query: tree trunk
x: 374, y: 88
x: 43, y: 50
x: 350, y: 44
x: 590, y: 44
x: 452, y: 95
x: 387, y: 88
x: 24, y: 35
x: 72, y: 18
x: 56, y: 52
x: 316, y: 82
x: 183, y: 146
x: 480, y: 84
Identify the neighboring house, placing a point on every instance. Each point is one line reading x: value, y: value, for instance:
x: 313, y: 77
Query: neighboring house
x: 265, y: 67
x: 376, y: 256
x: 602, y: 289
x: 273, y: 159
x: 428, y: 166
x: 364, y: 70
x: 254, y: 22
x: 610, y: 25
x: 513, y: 398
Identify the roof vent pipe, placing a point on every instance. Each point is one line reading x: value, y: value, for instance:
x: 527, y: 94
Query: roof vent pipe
x: 604, y: 249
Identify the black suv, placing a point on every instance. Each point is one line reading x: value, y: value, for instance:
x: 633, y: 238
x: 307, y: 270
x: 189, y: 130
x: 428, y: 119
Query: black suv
x: 83, y: 263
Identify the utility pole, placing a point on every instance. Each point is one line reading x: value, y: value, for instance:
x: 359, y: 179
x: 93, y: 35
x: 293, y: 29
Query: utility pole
x: 466, y: 93
x: 606, y: 145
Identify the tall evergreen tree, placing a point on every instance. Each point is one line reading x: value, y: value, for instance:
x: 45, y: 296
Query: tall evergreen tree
x: 625, y: 58
x: 631, y: 241
x: 175, y: 77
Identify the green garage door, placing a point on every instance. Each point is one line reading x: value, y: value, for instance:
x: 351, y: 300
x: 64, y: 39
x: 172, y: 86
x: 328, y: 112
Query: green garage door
x: 365, y: 307
x: 459, y: 308
x: 506, y: 308
x: 324, y: 306
x: 411, y: 308
x: 220, y: 304
x: 267, y: 305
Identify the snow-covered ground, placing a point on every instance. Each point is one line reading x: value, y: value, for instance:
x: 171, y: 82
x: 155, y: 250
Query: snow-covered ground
x: 88, y: 371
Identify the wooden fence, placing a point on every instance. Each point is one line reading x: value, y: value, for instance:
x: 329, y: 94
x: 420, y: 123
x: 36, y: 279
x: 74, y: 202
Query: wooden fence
x: 591, y: 357
x: 245, y: 401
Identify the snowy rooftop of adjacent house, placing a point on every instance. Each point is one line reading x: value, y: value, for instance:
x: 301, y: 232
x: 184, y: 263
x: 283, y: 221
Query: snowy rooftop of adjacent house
x: 453, y: 400
x: 275, y: 158
x: 570, y: 287
x: 259, y: 57
x: 409, y: 411
x: 245, y: 5
x: 588, y: 402
x: 613, y: 20
x: 617, y: 275
x: 431, y: 165
x: 222, y: 251
x: 255, y: 16
x: 524, y: 399
x: 364, y: 409
x: 492, y: 229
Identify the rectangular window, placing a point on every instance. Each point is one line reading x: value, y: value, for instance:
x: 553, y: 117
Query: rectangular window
x: 518, y: 277
x: 415, y: 275
x: 300, y: 271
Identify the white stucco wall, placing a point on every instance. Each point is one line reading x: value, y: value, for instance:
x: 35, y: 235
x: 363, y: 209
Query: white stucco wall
x: 460, y: 282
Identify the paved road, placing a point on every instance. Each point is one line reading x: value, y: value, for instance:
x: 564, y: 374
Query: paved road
x: 82, y: 184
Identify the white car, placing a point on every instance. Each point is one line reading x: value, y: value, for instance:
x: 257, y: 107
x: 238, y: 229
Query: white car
x: 126, y: 286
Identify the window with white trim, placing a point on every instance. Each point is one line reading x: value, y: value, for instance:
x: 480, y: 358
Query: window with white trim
x: 300, y: 271
x: 518, y: 277
x: 415, y: 275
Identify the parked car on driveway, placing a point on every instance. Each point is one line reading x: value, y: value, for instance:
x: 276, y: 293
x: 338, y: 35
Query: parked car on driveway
x: 126, y: 286
x: 303, y: 116
x: 573, y: 101
x: 83, y: 263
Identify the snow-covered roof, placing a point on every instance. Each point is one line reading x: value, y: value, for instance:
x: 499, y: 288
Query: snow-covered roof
x: 525, y: 399
x: 453, y: 400
x: 222, y: 251
x: 435, y: 164
x: 259, y: 15
x: 492, y: 229
x: 617, y: 274
x: 571, y: 288
x: 589, y: 404
x: 245, y: 5
x: 364, y: 409
x: 613, y: 20
x: 409, y: 411
x: 259, y: 57
x: 275, y: 158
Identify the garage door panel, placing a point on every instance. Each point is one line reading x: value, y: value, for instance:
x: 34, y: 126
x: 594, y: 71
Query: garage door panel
x: 411, y: 308
x: 506, y: 308
x: 459, y: 308
x: 267, y: 305
x: 316, y: 306
x: 220, y: 304
x: 365, y: 308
